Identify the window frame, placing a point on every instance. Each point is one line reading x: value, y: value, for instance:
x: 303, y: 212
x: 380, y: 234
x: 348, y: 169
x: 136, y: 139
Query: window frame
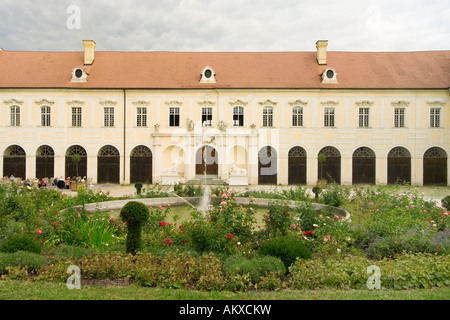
x: 297, y: 116
x: 141, y: 117
x: 46, y: 116
x: 267, y: 120
x: 76, y: 116
x: 207, y: 116
x: 435, y: 117
x: 329, y: 117
x: 399, y: 117
x: 15, y: 116
x: 238, y: 116
x: 108, y: 117
x: 364, y: 117
x: 174, y: 116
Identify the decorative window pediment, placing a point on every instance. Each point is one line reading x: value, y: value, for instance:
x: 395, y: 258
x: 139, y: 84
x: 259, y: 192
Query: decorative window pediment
x: 364, y: 103
x: 268, y: 103
x: 141, y: 103
x: 298, y: 102
x: 238, y: 102
x: 174, y: 103
x: 44, y: 101
x: 207, y: 101
x: 107, y: 103
x: 330, y: 103
x: 13, y: 101
x: 400, y: 103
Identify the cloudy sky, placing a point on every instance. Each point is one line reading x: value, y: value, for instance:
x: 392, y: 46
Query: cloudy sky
x: 225, y: 25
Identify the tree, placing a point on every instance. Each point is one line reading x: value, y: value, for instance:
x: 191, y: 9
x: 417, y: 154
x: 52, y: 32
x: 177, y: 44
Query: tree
x: 76, y: 158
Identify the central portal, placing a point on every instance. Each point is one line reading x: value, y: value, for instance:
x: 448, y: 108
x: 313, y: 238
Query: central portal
x: 206, y: 161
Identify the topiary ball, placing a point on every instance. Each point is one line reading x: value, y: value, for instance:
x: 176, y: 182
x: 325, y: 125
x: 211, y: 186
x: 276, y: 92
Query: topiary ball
x: 134, y: 213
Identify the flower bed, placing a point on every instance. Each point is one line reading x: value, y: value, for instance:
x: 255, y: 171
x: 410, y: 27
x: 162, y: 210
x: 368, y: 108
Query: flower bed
x: 224, y: 248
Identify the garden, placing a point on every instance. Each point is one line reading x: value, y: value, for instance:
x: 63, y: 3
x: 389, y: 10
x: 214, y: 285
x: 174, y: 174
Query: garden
x: 230, y: 246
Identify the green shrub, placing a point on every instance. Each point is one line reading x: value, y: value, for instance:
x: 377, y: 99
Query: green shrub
x: 70, y: 252
x: 334, y: 195
x: 135, y: 214
x: 20, y: 242
x: 256, y: 267
x: 446, y: 202
x: 138, y: 187
x: 30, y: 261
x: 278, y: 218
x: 287, y: 248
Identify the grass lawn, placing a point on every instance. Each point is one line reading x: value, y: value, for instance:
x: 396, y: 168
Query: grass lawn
x: 28, y: 290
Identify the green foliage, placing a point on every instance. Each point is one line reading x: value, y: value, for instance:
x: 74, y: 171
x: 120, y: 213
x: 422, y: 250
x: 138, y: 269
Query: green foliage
x: 234, y: 218
x: 350, y: 272
x: 316, y: 190
x: 134, y: 214
x: 20, y: 242
x: 71, y: 252
x: 138, y: 186
x: 256, y: 267
x: 81, y: 229
x: 29, y: 260
x: 334, y: 195
x: 188, y: 190
x: 446, y: 202
x: 278, y: 218
x: 287, y: 248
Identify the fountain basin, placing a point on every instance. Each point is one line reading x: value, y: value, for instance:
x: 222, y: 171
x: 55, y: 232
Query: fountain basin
x: 178, y: 201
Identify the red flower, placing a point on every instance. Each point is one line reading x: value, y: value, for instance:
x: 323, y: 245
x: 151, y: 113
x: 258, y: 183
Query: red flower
x: 308, y: 233
x: 229, y: 236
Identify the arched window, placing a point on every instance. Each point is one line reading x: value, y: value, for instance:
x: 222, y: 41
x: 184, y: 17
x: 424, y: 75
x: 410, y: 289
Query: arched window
x: 108, y: 165
x: 399, y: 166
x: 14, y: 162
x: 363, y: 166
x: 435, y: 167
x: 45, y: 162
x: 329, y: 164
x: 141, y: 160
x: 297, y: 165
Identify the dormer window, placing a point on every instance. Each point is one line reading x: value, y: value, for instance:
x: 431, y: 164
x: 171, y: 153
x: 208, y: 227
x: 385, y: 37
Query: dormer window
x: 207, y: 75
x: 79, y: 75
x: 329, y: 76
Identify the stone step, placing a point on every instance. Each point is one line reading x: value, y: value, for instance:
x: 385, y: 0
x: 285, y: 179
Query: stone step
x: 206, y: 181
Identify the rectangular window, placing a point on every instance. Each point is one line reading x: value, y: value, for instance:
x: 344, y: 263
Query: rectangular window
x: 267, y: 117
x: 207, y: 117
x: 363, y: 117
x: 174, y: 117
x: 45, y: 116
x: 76, y: 116
x: 15, y: 116
x: 399, y: 117
x: 238, y: 116
x: 109, y: 117
x: 297, y: 117
x: 141, y: 120
x: 435, y: 117
x: 329, y: 117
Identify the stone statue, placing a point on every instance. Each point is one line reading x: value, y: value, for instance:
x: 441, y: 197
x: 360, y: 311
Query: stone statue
x: 235, y: 171
x: 173, y: 169
x: 190, y: 124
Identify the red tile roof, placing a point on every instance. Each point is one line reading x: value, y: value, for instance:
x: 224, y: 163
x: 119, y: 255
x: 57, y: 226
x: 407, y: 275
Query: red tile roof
x: 271, y: 70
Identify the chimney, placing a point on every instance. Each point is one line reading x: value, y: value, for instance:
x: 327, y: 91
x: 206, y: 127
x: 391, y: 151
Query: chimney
x: 89, y: 46
x: 321, y: 46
